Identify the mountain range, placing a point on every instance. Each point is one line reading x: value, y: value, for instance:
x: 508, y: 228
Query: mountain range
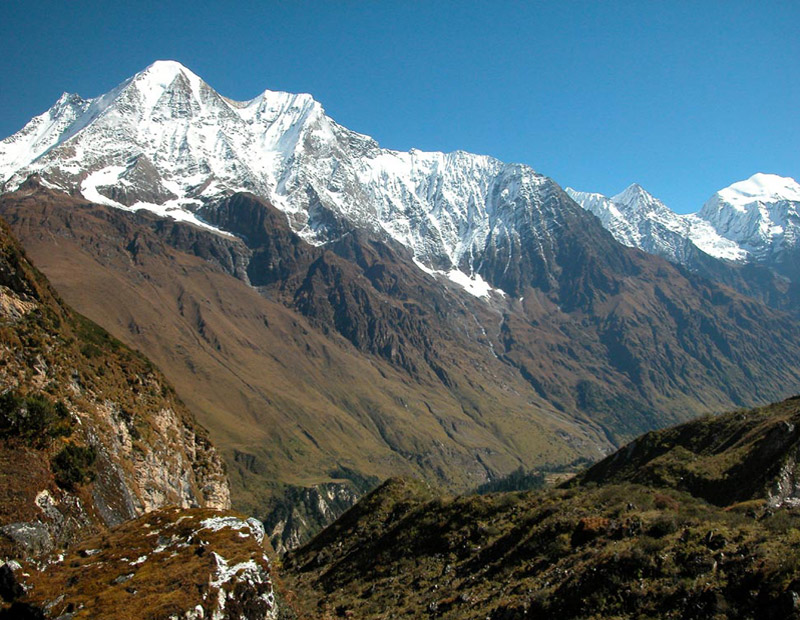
x: 745, y: 235
x: 336, y: 313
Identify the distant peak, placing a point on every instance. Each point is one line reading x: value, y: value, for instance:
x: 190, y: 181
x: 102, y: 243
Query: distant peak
x: 166, y: 68
x: 67, y: 99
x: 162, y: 74
x: 761, y: 187
x: 633, y: 193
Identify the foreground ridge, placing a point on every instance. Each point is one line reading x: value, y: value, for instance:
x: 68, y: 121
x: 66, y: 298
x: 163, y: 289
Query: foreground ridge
x: 605, y: 549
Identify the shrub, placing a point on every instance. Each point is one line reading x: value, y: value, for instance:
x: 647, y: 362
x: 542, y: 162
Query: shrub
x: 663, y: 526
x: 74, y: 465
x: 10, y: 413
x: 665, y: 502
x: 32, y: 417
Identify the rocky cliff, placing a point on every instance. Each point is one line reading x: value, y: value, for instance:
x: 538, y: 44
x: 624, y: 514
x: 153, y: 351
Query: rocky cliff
x: 91, y: 434
x: 94, y: 445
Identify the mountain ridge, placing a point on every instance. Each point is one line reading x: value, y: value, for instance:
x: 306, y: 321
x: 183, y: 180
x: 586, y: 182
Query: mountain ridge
x: 615, y: 545
x: 574, y: 367
x: 457, y: 315
x: 755, y: 220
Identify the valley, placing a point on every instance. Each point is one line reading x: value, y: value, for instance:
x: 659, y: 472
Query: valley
x: 354, y: 342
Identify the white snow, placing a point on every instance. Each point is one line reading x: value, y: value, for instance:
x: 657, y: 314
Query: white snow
x: 445, y: 207
x: 760, y: 188
x: 177, y: 209
x: 760, y: 214
x: 280, y: 146
x: 474, y: 285
x: 104, y: 177
x: 638, y: 219
x: 705, y: 237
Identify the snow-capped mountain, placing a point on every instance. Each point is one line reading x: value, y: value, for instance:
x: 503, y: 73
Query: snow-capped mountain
x: 637, y: 219
x: 309, y: 332
x: 752, y: 221
x: 166, y: 141
x: 760, y: 214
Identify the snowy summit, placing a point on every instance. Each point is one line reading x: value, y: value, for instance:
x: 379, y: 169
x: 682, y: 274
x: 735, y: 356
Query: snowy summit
x: 165, y: 141
x: 752, y: 220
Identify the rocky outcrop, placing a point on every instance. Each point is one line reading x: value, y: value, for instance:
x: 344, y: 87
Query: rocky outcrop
x: 91, y: 434
x: 300, y: 512
x: 181, y: 564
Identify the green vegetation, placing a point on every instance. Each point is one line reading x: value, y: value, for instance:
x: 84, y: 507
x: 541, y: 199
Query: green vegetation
x: 34, y: 418
x: 603, y: 547
x: 725, y: 459
x: 73, y: 465
x: 617, y: 551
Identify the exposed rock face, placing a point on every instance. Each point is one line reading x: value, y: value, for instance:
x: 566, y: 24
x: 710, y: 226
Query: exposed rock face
x: 182, y: 564
x: 92, y: 435
x: 300, y: 512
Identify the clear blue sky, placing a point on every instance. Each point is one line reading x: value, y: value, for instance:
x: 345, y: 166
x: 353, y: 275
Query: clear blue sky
x: 681, y: 97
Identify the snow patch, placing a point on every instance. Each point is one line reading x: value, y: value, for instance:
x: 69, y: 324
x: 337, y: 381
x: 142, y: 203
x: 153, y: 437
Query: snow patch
x: 474, y: 285
x: 177, y: 209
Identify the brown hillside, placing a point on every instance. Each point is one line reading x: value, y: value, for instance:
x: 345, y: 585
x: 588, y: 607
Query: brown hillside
x: 285, y: 399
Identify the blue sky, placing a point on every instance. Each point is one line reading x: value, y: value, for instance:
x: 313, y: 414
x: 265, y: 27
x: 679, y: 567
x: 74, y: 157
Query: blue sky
x: 681, y: 97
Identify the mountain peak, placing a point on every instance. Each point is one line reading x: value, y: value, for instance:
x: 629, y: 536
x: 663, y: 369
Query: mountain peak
x: 635, y: 196
x: 165, y: 71
x: 761, y: 187
x: 160, y: 76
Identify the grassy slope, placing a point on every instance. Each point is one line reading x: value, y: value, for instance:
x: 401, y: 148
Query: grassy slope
x: 622, y: 551
x: 603, y: 548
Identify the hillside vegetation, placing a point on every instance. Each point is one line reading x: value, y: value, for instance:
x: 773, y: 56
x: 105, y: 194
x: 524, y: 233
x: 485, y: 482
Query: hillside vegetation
x: 734, y: 457
x: 604, y: 547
